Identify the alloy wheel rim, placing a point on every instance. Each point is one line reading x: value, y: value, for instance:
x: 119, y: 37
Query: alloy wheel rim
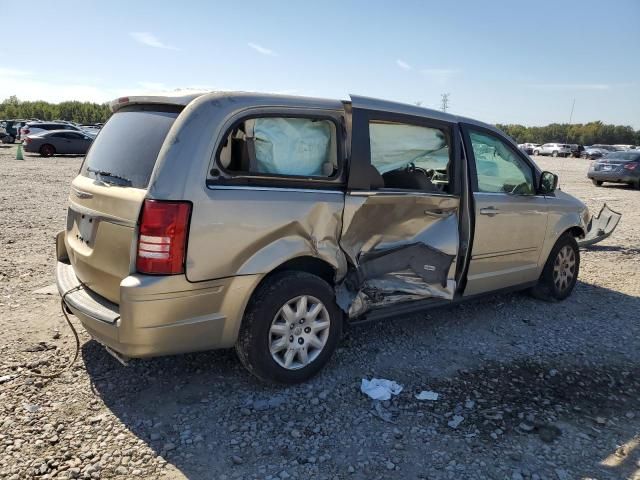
x: 564, y: 268
x: 299, y: 332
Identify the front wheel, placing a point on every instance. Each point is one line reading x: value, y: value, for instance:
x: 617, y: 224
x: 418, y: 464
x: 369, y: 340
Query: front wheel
x: 554, y: 154
x: 536, y: 152
x: 290, y: 329
x: 560, y: 273
x: 597, y: 183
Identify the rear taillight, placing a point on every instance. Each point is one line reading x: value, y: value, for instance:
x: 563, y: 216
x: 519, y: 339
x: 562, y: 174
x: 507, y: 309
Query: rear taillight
x: 630, y: 166
x: 26, y: 131
x: 162, y: 240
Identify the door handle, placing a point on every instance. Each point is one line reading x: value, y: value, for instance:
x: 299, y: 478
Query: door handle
x: 437, y: 213
x: 490, y: 211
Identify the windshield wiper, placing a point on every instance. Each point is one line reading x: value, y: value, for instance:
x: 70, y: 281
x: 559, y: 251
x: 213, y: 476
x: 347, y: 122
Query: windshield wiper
x: 103, y: 173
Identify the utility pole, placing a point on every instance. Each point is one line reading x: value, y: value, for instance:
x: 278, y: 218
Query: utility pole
x: 445, y: 102
x: 566, y: 140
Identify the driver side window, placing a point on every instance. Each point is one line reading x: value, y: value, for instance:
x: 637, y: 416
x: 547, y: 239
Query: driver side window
x: 499, y: 169
x: 410, y: 157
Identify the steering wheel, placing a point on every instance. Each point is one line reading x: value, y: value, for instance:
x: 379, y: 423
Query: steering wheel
x: 411, y: 168
x: 520, y: 189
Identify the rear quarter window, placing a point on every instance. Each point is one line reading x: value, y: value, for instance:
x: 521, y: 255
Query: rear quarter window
x: 129, y: 143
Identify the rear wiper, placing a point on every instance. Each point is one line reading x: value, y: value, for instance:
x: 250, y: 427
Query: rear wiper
x: 103, y: 173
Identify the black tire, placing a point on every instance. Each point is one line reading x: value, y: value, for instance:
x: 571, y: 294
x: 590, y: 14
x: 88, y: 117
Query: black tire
x: 47, y: 150
x: 597, y: 183
x: 554, y: 153
x: 547, y: 288
x: 536, y: 152
x: 275, y: 292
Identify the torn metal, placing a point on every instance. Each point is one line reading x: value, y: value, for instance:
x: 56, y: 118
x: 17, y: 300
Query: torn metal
x: 399, y: 274
x: 408, y: 257
x: 601, y: 226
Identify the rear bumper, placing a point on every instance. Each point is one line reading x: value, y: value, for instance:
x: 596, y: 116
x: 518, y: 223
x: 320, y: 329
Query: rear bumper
x: 161, y: 315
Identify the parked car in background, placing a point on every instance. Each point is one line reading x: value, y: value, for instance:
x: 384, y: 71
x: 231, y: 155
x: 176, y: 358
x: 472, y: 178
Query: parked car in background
x: 593, y: 153
x: 617, y: 167
x: 58, y: 142
x: 624, y: 147
x: 12, y: 129
x: 528, y: 148
x: 33, y: 128
x: 553, y: 149
x: 269, y: 240
x: 601, y: 146
x: 576, y: 150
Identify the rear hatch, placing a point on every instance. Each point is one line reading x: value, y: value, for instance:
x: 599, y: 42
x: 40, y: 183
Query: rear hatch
x: 107, y: 195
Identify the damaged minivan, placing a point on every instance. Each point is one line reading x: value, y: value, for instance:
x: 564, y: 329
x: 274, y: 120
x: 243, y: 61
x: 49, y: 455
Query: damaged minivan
x: 268, y: 223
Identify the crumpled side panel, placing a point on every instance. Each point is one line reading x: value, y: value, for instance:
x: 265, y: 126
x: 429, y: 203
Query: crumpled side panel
x: 401, y: 247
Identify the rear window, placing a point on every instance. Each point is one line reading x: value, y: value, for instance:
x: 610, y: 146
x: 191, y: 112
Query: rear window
x: 129, y: 143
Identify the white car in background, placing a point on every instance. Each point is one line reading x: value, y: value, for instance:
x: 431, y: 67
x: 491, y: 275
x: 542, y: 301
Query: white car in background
x: 553, y: 149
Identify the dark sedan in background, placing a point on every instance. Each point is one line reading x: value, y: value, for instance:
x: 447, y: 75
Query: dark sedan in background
x: 617, y: 167
x: 58, y: 142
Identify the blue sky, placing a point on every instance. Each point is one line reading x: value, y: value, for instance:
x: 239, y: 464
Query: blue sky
x: 501, y: 61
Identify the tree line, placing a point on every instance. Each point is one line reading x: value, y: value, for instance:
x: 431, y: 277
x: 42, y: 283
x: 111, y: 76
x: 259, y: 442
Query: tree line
x: 79, y: 112
x: 580, y: 133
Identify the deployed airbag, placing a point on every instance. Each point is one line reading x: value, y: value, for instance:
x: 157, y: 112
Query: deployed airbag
x: 395, y: 146
x: 293, y: 146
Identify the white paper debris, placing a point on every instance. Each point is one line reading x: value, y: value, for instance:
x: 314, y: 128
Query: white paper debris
x: 31, y: 408
x: 455, y: 421
x: 379, y: 388
x: 427, y: 395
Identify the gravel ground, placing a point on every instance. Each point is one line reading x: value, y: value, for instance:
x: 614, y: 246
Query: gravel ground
x: 537, y: 390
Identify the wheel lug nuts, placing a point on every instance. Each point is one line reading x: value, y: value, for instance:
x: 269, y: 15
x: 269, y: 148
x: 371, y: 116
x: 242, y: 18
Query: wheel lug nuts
x: 291, y: 338
x: 301, y: 321
x: 300, y: 340
x: 307, y: 330
x: 291, y: 326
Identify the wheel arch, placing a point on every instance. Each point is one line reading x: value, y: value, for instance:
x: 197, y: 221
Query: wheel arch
x: 302, y: 263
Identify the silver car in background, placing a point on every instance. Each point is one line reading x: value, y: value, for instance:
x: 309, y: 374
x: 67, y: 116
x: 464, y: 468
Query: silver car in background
x: 553, y: 149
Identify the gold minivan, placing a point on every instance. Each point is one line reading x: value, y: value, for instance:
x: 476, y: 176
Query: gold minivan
x: 269, y: 222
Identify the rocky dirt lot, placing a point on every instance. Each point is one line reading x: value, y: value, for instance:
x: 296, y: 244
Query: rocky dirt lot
x: 537, y: 390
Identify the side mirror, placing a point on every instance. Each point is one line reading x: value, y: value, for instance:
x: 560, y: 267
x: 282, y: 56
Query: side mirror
x: 548, y: 183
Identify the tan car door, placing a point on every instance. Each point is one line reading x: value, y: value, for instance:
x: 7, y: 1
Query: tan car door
x: 510, y: 219
x: 401, y: 218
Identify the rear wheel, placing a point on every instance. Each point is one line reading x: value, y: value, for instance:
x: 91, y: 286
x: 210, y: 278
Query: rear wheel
x: 554, y: 153
x: 536, y: 152
x: 290, y: 329
x: 597, y: 183
x: 560, y: 273
x: 47, y: 150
